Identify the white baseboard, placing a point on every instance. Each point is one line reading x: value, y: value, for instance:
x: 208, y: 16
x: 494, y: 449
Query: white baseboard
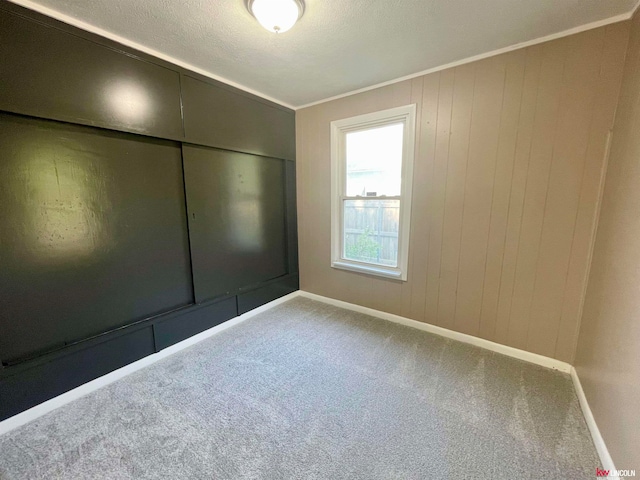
x: 50, y: 405
x: 89, y: 387
x: 601, y: 447
x: 444, y: 332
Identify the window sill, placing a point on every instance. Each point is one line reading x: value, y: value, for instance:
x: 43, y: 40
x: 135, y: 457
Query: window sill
x: 370, y: 270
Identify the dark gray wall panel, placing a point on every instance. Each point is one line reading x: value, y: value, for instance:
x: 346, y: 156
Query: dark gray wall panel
x: 93, y: 232
x: 266, y: 293
x: 222, y: 118
x: 53, y: 74
x: 292, y: 218
x: 23, y: 387
x: 236, y: 205
x: 195, y: 320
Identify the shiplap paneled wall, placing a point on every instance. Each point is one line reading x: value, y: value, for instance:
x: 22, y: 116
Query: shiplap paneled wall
x: 510, y: 156
x: 607, y: 359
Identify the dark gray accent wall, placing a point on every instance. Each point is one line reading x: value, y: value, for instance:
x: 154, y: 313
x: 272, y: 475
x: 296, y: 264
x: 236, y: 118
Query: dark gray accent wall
x: 292, y: 217
x: 251, y: 298
x: 27, y: 385
x: 217, y: 116
x: 53, y: 74
x: 100, y: 262
x: 167, y: 332
x: 93, y: 232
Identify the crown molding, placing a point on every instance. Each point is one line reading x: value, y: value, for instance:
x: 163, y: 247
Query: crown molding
x: 482, y: 56
x: 31, y: 5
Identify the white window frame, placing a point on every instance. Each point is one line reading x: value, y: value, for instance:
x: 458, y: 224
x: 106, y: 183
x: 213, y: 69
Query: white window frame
x: 339, y: 129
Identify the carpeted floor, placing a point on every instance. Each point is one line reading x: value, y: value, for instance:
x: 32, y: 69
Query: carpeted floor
x: 307, y: 391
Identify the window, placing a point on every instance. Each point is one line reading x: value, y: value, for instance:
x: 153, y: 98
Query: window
x: 372, y: 166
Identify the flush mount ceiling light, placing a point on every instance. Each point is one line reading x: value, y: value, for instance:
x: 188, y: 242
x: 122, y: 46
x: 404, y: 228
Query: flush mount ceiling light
x: 277, y: 16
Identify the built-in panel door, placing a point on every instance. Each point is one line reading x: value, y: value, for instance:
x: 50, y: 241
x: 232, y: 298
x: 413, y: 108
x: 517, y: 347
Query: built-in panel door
x: 93, y: 233
x: 237, y: 211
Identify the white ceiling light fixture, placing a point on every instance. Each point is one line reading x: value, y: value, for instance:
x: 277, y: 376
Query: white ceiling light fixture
x: 277, y: 16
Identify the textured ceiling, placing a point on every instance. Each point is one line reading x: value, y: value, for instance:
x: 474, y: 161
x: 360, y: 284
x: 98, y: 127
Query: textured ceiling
x: 339, y: 45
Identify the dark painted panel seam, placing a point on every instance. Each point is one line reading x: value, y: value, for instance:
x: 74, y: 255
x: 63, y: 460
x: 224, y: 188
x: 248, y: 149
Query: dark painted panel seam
x: 287, y: 227
x: 109, y: 335
x: 186, y: 211
x: 184, y: 132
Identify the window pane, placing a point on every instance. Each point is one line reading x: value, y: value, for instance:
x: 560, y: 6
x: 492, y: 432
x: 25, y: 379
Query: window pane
x: 374, y: 161
x: 371, y: 231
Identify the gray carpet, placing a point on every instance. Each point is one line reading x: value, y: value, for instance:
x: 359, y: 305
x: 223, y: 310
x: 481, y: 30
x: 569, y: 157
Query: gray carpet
x: 307, y: 391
